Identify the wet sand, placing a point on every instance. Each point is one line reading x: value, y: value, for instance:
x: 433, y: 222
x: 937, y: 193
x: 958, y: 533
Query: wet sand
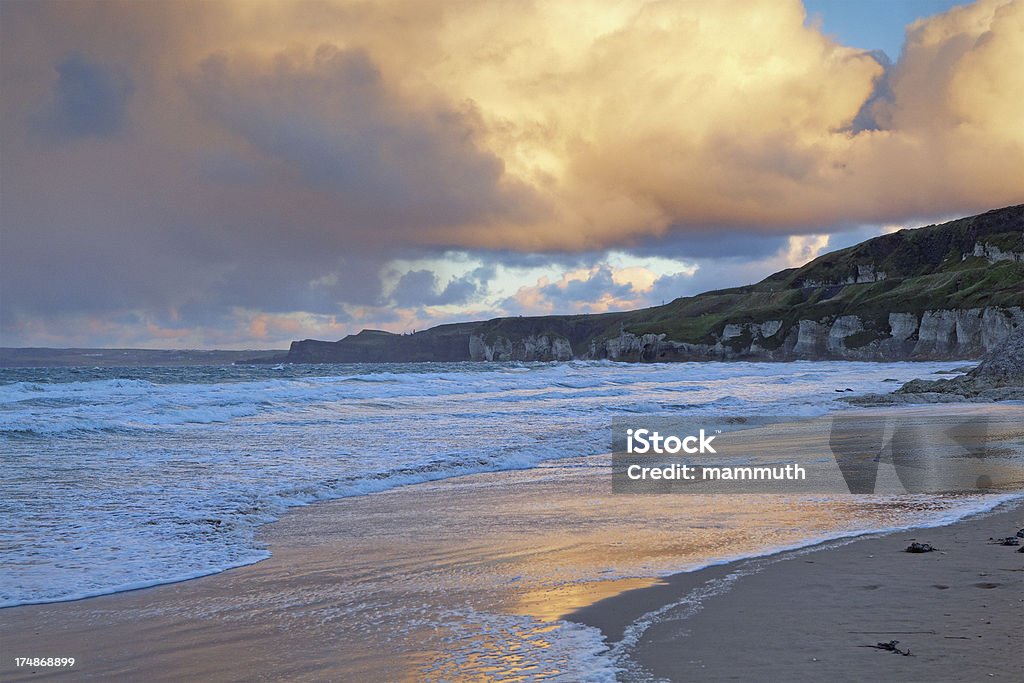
x: 460, y: 580
x: 812, y: 615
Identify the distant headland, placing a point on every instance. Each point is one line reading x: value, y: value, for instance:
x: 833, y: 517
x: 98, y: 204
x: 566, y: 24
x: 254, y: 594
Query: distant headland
x: 56, y: 358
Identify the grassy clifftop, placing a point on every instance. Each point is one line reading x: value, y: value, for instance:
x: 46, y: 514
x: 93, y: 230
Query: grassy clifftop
x: 923, y: 269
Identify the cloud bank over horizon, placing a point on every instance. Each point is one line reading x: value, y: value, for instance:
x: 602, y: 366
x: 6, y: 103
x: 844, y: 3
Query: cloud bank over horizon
x: 232, y: 174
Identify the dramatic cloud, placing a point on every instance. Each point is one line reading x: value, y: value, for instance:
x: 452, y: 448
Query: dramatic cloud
x: 328, y: 123
x: 228, y: 173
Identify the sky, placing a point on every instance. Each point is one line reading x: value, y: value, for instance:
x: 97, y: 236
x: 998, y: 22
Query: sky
x: 873, y: 24
x: 236, y: 174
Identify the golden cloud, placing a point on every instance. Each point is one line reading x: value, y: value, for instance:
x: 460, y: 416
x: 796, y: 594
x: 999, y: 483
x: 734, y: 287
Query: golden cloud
x: 553, y: 125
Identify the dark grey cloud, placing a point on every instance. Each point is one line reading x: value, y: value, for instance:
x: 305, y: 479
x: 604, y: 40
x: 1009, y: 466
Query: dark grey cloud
x: 709, y: 243
x: 314, y: 175
x: 419, y: 288
x: 88, y: 99
x: 669, y: 287
x: 329, y: 122
x: 415, y: 287
x: 592, y: 288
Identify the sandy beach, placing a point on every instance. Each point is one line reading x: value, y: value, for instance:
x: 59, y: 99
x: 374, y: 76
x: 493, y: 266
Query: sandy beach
x: 472, y: 578
x: 814, y: 614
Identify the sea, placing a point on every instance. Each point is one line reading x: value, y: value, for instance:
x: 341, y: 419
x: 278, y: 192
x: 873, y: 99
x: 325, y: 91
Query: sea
x: 121, y: 478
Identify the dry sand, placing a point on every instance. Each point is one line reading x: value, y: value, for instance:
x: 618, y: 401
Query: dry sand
x: 811, y: 615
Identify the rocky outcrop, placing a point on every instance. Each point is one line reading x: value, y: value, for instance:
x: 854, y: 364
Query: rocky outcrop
x: 999, y: 377
x: 940, y: 334
x: 811, y: 337
x: 628, y: 346
x: 844, y: 327
x: 1003, y: 366
x: 865, y: 272
x: 534, y: 347
x: 993, y: 253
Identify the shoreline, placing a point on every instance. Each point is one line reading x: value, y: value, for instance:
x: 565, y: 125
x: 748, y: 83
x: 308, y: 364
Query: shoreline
x: 438, y: 580
x: 820, y: 611
x: 811, y: 544
x: 1013, y: 499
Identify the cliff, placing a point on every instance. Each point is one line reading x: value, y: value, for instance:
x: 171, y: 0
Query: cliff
x: 954, y: 290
